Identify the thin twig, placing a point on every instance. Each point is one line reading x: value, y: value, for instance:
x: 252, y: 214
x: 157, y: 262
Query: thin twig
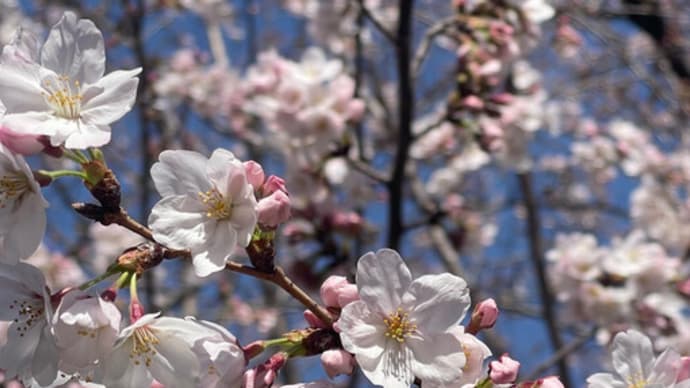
x: 560, y: 355
x: 379, y: 26
x: 424, y: 47
x: 406, y: 106
x: 536, y: 255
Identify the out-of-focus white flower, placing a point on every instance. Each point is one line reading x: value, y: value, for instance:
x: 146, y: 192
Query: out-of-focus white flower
x: 658, y: 211
x: 176, y: 352
x: 107, y: 243
x: 537, y: 11
x: 207, y: 207
x: 636, y: 366
x: 61, y: 91
x: 30, y: 350
x: 401, y: 329
x: 22, y: 209
x: 60, y: 271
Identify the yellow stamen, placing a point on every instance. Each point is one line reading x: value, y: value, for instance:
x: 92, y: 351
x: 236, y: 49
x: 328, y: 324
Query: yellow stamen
x: 64, y: 97
x: 399, y: 325
x: 12, y: 186
x: 216, y: 206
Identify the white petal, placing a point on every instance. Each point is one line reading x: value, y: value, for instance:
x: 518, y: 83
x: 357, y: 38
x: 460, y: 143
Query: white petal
x: 75, y: 48
x: 604, y: 380
x: 118, y: 370
x: 382, y: 279
x: 173, y: 356
x: 632, y: 354
x: 220, y: 166
x: 32, y: 123
x: 391, y: 369
x: 437, y: 358
x: 29, y: 225
x: 44, y: 367
x: 180, y: 172
x: 178, y: 222
x: 362, y: 332
x: 119, y: 90
x: 437, y: 302
x: 243, y: 220
x: 221, y: 241
x: 20, y: 89
x: 87, y: 135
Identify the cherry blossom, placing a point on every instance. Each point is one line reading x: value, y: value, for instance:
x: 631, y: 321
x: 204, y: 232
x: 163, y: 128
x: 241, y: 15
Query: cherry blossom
x: 22, y: 214
x: 158, y: 348
x: 636, y: 365
x: 207, y: 206
x: 30, y: 350
x: 401, y: 329
x: 85, y: 329
x: 61, y: 91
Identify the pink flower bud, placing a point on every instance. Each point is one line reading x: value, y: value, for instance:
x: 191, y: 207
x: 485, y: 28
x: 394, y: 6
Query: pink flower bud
x: 472, y: 102
x: 337, y: 362
x: 274, y: 209
x: 546, y: 382
x: 355, y: 110
x: 313, y: 320
x: 502, y: 98
x: 253, y: 349
x: 336, y: 291
x: 265, y: 374
x: 20, y: 144
x: 255, y: 174
x: 273, y: 184
x: 484, y: 316
x: 347, y: 222
x: 682, y: 369
x: 504, y: 371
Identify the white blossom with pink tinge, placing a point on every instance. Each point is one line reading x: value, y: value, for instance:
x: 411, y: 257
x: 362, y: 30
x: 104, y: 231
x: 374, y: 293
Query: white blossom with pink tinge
x: 402, y: 329
x: 207, y: 207
x: 636, y: 365
x: 61, y: 91
x: 22, y: 209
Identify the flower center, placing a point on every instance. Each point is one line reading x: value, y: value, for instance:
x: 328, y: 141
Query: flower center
x: 143, y: 348
x: 399, y: 325
x: 12, y: 186
x: 636, y: 380
x: 28, y: 313
x: 63, y: 96
x: 216, y: 206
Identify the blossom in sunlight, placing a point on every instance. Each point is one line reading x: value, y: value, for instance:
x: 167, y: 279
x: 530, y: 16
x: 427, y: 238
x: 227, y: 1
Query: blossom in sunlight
x: 636, y: 366
x: 22, y: 214
x: 85, y: 330
x: 221, y: 359
x: 30, y: 350
x: 401, y: 329
x: 207, y: 207
x: 60, y: 90
x: 175, y: 352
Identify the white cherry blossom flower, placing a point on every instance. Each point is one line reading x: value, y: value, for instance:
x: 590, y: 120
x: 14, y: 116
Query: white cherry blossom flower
x: 30, y: 350
x: 221, y: 359
x: 61, y: 91
x: 207, y: 207
x: 151, y: 348
x: 636, y: 366
x: 401, y: 329
x: 176, y: 352
x: 85, y: 328
x: 22, y: 214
